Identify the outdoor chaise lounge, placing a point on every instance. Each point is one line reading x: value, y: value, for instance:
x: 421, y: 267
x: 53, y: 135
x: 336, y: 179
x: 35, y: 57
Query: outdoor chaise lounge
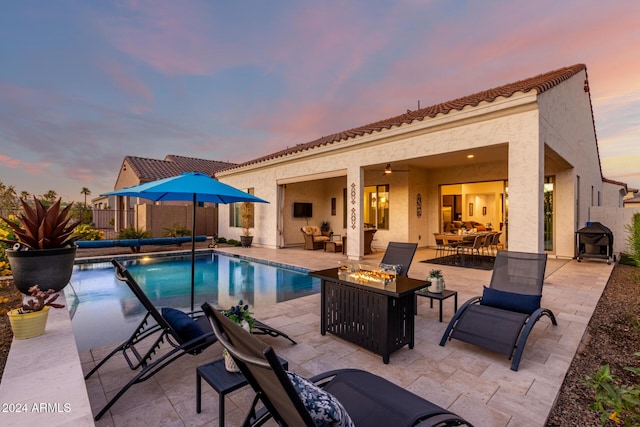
x: 503, y: 317
x: 186, y: 333
x: 400, y: 255
x: 343, y: 397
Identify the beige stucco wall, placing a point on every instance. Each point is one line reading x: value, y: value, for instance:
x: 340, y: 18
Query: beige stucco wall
x: 617, y: 219
x: 566, y: 126
x: 156, y: 218
x: 612, y: 195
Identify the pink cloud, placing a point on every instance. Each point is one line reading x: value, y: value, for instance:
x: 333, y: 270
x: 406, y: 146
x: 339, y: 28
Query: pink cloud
x: 173, y: 37
x: 128, y: 82
x: 33, y: 168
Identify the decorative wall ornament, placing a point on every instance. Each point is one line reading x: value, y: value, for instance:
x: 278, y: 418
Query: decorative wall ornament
x: 353, y: 218
x: 353, y: 193
x: 419, y: 205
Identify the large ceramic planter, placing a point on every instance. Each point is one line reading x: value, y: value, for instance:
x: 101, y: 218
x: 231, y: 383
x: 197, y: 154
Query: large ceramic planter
x: 28, y: 325
x: 47, y: 268
x: 246, y: 241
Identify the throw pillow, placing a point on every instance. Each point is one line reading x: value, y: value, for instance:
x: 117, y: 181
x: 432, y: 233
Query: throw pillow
x: 324, y: 408
x: 186, y: 328
x: 511, y: 301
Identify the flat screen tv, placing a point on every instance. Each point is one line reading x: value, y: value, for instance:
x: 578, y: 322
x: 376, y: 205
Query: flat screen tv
x: 302, y: 210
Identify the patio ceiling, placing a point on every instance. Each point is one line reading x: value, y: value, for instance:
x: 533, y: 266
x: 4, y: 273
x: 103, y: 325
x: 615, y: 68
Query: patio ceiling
x: 491, y: 154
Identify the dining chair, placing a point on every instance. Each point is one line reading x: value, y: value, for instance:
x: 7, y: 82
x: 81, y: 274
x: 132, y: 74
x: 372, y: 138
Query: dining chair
x: 486, y: 245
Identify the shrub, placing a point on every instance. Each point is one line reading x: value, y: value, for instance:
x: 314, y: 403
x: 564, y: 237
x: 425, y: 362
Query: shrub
x: 233, y: 242
x: 86, y: 232
x: 176, y: 230
x: 133, y: 233
x: 619, y: 403
x: 634, y: 238
x: 221, y: 240
x: 81, y: 213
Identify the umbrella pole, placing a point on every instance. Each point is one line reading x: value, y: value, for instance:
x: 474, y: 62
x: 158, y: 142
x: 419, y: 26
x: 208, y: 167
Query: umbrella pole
x: 193, y: 254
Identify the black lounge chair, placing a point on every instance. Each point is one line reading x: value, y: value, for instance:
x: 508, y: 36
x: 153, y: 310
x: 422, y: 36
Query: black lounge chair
x: 503, y: 317
x: 186, y: 333
x: 400, y: 255
x: 292, y: 400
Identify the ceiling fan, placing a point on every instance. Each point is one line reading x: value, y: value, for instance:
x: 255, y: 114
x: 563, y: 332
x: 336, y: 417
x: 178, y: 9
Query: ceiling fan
x: 388, y: 170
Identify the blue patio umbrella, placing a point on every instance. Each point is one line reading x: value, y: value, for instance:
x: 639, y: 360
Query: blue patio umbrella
x: 194, y: 186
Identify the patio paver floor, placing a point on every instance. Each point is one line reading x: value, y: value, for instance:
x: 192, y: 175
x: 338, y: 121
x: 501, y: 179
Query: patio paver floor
x: 476, y: 384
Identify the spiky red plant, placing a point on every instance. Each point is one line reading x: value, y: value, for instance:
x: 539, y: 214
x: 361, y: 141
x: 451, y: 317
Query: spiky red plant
x: 43, y: 228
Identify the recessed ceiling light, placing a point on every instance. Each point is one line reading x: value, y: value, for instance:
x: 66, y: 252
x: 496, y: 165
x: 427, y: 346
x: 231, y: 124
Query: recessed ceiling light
x: 470, y: 156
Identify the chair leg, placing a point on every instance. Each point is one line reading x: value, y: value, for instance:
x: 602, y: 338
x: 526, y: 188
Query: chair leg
x: 515, y: 363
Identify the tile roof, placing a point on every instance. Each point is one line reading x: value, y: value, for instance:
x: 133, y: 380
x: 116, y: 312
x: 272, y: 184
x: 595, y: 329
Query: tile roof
x: 540, y: 83
x: 153, y: 169
x: 614, y: 182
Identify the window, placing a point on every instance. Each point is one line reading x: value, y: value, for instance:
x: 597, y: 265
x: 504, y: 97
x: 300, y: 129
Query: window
x: 344, y: 208
x: 376, y: 206
x: 235, y: 213
x: 548, y: 212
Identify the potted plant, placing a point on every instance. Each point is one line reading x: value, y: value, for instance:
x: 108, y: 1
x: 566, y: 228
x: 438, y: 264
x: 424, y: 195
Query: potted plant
x: 437, y: 281
x: 241, y: 316
x: 246, y: 213
x: 30, y: 320
x: 45, y: 249
x: 325, y: 228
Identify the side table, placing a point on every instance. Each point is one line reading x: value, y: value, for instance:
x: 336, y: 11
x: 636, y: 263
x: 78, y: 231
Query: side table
x: 440, y: 297
x: 333, y: 245
x: 222, y: 381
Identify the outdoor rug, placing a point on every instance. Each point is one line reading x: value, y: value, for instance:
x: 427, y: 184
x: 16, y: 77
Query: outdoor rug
x: 482, y: 262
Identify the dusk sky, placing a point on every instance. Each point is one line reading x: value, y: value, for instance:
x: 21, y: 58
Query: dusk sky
x: 85, y: 83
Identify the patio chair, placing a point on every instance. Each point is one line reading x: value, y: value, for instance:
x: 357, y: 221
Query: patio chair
x: 341, y: 397
x: 472, y: 247
x: 503, y: 317
x: 400, y: 255
x: 186, y: 333
x: 313, y: 237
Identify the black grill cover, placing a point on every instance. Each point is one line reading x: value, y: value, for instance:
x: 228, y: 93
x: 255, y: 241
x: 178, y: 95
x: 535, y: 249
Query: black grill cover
x: 596, y: 235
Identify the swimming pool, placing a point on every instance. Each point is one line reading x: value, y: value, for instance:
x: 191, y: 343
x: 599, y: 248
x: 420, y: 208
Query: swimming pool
x: 104, y: 310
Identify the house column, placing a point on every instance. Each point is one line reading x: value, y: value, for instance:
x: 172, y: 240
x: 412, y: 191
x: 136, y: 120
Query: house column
x: 526, y: 197
x: 355, y: 223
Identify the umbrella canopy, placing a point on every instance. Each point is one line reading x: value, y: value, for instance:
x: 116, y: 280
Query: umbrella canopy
x: 194, y: 186
x: 184, y: 187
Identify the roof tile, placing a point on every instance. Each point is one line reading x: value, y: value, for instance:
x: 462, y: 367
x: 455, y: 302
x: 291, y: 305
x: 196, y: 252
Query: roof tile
x: 153, y: 169
x: 540, y: 83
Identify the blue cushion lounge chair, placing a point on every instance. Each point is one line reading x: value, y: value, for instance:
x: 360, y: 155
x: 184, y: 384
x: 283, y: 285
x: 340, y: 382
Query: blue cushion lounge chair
x: 343, y: 397
x: 186, y: 333
x: 503, y: 317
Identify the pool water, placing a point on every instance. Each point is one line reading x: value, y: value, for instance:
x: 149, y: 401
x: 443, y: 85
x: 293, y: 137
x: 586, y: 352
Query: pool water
x: 104, y: 310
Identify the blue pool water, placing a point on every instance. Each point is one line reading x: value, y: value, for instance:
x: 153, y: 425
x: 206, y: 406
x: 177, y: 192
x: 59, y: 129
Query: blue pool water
x: 104, y: 310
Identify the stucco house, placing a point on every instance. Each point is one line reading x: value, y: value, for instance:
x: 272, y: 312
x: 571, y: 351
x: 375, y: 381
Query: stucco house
x: 155, y: 217
x: 522, y: 157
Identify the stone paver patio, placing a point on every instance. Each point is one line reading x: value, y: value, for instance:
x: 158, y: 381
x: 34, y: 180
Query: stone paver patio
x: 475, y: 384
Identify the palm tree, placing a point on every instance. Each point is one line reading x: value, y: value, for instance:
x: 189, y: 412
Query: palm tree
x: 86, y: 193
x: 49, y: 198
